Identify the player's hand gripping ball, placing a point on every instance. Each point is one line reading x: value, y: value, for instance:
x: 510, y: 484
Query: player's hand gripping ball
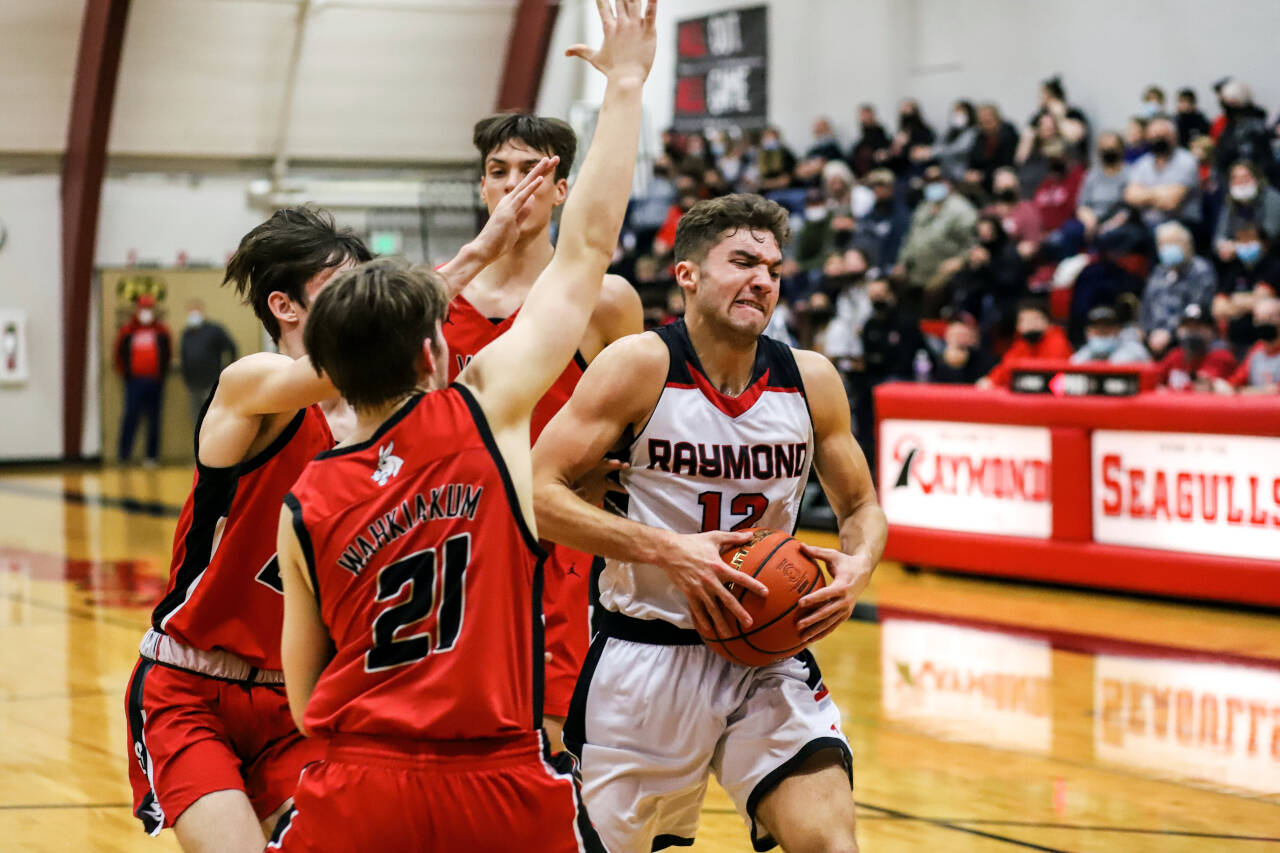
x: 777, y: 561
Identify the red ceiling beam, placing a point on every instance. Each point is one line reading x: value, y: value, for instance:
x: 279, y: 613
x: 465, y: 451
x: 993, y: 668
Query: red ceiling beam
x: 527, y: 54
x: 92, y: 97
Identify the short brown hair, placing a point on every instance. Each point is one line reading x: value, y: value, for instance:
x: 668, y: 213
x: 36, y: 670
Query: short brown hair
x: 284, y: 253
x: 367, y: 327
x: 549, y: 135
x: 704, y: 225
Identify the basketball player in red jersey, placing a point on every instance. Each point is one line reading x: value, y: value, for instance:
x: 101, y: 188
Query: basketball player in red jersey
x: 719, y: 424
x: 412, y: 634
x: 213, y: 748
x: 510, y: 145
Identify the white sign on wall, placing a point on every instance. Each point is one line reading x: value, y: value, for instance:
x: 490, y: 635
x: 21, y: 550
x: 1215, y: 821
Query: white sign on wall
x: 1196, y: 492
x: 967, y: 684
x: 976, y: 478
x: 1214, y: 722
x: 13, y: 346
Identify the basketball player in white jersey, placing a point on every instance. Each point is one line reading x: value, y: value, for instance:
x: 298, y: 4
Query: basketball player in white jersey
x: 720, y: 425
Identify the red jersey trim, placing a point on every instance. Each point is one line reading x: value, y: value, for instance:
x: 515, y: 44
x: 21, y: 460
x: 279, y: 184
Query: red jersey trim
x: 486, y: 435
x: 734, y: 407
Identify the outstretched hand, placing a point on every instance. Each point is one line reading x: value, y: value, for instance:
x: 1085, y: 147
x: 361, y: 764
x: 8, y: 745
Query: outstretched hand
x: 501, y: 232
x: 630, y: 39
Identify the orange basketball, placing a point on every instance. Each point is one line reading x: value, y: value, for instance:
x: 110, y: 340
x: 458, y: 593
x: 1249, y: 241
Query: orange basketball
x: 775, y: 559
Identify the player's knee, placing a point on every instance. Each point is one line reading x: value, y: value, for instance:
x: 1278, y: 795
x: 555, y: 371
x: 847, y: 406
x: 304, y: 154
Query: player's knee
x: 827, y: 842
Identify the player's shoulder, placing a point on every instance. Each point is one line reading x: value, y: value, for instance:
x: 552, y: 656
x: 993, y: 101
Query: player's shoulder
x: 814, y: 365
x: 642, y: 351
x: 619, y: 311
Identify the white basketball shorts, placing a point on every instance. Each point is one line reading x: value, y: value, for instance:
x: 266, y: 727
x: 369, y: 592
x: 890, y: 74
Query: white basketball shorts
x: 655, y: 711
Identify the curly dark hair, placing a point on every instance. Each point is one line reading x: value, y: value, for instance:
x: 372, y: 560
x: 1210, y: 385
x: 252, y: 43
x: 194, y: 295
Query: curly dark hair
x: 707, y: 221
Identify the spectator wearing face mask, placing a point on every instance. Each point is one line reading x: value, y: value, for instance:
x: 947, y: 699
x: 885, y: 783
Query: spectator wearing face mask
x: 143, y: 351
x: 888, y: 218
x: 840, y: 308
x: 1180, y: 279
x: 1244, y: 134
x: 1019, y: 216
x: 825, y: 149
x: 1250, y: 199
x: 1190, y: 121
x: 938, y: 242
x: 1103, y: 341
x: 891, y: 339
x: 952, y: 150
x: 206, y: 348
x: 1057, y: 195
x: 1259, y: 370
x: 1037, y: 338
x: 962, y: 361
x: 1199, y: 358
x: 993, y: 280
x: 1253, y: 274
x: 912, y: 143
x: 830, y: 225
x: 774, y: 161
x: 1165, y: 183
x: 1100, y: 200
x: 996, y: 145
x: 1152, y: 105
x: 872, y: 146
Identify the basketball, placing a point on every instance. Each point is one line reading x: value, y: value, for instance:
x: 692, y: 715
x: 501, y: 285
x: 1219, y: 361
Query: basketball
x: 777, y: 561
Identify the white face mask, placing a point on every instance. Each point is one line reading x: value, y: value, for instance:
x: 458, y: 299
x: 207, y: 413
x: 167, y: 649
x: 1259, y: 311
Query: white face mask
x: 146, y: 316
x: 1244, y: 192
x: 815, y: 214
x: 194, y: 318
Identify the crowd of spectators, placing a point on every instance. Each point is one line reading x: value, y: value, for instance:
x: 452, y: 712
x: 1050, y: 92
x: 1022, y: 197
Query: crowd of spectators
x: 947, y: 253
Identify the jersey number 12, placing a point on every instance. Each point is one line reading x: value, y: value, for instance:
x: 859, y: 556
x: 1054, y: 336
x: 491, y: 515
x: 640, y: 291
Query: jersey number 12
x: 436, y: 589
x: 751, y: 505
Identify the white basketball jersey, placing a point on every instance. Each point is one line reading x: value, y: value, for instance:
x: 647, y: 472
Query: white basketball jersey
x: 707, y: 461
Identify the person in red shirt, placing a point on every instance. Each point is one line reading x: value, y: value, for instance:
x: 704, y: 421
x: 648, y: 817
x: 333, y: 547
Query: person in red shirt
x: 142, y: 352
x: 409, y: 555
x: 1056, y: 195
x: 509, y: 145
x: 1037, y: 338
x: 1199, y: 358
x: 214, y: 752
x: 1259, y: 370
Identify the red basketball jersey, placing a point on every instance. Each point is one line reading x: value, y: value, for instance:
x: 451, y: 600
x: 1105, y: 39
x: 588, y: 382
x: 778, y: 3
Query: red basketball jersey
x: 224, y: 589
x: 427, y: 578
x: 467, y: 331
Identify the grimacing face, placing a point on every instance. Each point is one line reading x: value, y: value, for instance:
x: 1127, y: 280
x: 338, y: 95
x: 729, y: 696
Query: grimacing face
x: 735, y: 288
x: 505, y: 167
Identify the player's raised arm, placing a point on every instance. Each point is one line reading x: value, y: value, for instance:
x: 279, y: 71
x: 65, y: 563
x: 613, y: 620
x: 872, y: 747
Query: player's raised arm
x: 512, y: 373
x: 846, y: 479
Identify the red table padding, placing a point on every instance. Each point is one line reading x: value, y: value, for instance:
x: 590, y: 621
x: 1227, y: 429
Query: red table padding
x: 1070, y: 556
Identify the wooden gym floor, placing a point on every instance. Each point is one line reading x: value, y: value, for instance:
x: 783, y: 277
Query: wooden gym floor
x: 983, y: 716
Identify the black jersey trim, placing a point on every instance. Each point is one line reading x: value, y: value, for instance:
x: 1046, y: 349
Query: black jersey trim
x: 575, y: 723
x: 263, y: 456
x: 399, y: 415
x: 539, y: 661
x: 211, y: 498
x: 653, y: 632
x: 760, y: 839
x: 149, y: 810
x: 486, y: 435
x: 304, y: 541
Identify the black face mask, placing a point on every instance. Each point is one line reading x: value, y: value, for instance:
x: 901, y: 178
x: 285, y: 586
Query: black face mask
x: 881, y: 306
x: 1058, y: 167
x: 1266, y: 331
x: 1033, y: 337
x: 1111, y: 156
x: 1161, y: 147
x: 841, y: 239
x: 1007, y: 196
x: 1195, y: 345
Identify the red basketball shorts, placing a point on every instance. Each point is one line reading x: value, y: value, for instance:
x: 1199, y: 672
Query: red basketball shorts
x: 391, y: 795
x: 565, y: 604
x: 191, y: 735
